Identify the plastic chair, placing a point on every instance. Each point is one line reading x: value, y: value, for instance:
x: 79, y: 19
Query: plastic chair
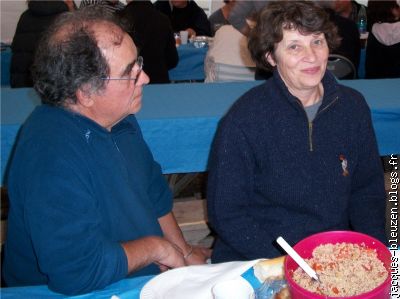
x: 220, y: 72
x: 341, y: 67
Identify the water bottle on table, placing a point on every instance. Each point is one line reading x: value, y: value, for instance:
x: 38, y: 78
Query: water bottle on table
x: 362, y: 25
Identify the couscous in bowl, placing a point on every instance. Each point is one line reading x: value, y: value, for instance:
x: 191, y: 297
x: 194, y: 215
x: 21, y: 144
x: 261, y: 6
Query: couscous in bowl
x: 306, y: 247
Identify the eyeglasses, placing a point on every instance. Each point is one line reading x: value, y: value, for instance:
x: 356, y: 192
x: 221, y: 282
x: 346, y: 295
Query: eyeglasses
x: 139, y: 67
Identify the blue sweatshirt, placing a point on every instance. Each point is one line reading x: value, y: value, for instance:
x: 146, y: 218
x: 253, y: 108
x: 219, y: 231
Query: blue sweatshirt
x: 76, y: 192
x: 272, y: 172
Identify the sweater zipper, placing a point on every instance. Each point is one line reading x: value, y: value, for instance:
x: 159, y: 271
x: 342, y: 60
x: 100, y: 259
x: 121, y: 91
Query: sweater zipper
x: 330, y: 104
x: 310, y: 123
x: 310, y: 127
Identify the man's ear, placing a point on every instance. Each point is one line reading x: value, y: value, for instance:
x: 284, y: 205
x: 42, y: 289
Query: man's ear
x: 84, y: 97
x: 270, y: 59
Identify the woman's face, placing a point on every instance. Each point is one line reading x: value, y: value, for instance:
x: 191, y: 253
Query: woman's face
x: 301, y: 60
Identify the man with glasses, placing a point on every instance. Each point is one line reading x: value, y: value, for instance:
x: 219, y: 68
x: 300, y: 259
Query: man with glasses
x: 88, y: 204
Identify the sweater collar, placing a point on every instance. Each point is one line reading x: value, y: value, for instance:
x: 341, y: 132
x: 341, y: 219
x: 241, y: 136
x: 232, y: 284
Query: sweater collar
x: 328, y: 82
x: 86, y: 124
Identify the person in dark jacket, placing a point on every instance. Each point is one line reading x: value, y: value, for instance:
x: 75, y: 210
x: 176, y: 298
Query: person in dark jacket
x: 152, y: 33
x: 348, y: 9
x: 32, y: 23
x: 296, y: 155
x: 185, y: 15
x: 350, y: 46
x: 383, y: 46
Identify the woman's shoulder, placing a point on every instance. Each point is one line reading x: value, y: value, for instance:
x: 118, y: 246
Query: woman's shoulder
x: 352, y: 99
x: 252, y: 102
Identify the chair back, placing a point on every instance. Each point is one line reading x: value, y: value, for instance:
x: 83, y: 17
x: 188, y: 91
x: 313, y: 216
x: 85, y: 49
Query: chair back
x: 341, y: 67
x: 231, y: 73
x: 220, y: 72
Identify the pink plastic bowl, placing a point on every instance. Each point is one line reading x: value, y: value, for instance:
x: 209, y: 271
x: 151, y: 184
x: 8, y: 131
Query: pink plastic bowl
x: 306, y: 246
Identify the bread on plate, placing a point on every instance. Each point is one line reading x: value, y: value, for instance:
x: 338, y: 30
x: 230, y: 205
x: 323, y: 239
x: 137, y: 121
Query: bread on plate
x: 269, y: 269
x: 272, y: 269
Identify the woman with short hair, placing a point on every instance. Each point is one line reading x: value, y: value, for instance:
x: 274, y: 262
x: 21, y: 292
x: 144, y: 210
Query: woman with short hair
x: 297, y: 154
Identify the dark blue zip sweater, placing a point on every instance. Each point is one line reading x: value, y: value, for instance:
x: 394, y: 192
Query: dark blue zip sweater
x: 272, y: 172
x: 76, y: 192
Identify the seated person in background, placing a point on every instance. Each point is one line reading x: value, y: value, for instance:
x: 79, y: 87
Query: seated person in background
x: 31, y: 25
x: 92, y: 206
x: 152, y: 33
x: 185, y: 15
x: 228, y: 58
x: 242, y: 12
x: 383, y: 46
x: 347, y: 9
x: 289, y: 158
x: 220, y: 16
x: 111, y: 5
x: 350, y: 46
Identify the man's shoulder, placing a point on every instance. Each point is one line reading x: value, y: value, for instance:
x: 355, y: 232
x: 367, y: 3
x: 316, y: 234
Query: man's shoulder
x: 49, y: 122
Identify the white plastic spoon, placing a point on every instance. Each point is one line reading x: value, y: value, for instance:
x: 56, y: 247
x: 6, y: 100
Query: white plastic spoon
x: 297, y: 258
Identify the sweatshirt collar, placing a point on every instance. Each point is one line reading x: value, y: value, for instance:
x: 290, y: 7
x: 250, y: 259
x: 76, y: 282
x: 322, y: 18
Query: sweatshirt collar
x: 86, y: 124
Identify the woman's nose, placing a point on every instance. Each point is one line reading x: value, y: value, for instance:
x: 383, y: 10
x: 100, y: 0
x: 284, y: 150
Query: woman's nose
x: 310, y: 54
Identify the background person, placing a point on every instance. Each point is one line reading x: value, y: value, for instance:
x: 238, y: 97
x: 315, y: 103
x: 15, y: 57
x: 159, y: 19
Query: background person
x: 242, y: 18
x: 152, y: 33
x: 185, y: 15
x: 348, y: 9
x: 220, y: 17
x: 88, y: 203
x: 296, y: 155
x: 31, y: 25
x: 228, y: 58
x: 383, y: 46
x: 113, y: 6
x: 243, y: 11
x: 350, y: 46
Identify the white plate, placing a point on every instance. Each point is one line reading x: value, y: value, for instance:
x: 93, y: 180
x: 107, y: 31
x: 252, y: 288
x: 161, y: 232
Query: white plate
x: 194, y: 282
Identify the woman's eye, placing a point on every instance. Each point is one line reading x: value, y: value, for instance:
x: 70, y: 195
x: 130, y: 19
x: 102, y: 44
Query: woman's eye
x: 318, y: 42
x: 293, y: 47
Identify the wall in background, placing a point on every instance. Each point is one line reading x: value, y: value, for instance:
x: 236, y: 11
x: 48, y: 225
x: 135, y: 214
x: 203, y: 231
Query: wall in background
x: 10, y: 13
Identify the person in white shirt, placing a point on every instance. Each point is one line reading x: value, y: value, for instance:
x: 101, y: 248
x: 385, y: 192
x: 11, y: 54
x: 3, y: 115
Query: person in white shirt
x: 228, y: 58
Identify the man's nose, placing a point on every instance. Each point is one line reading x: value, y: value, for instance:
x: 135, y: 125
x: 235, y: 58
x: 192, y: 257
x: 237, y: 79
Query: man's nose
x: 143, y: 79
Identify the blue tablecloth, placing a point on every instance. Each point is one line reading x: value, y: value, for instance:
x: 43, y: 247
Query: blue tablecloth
x: 190, y: 65
x: 179, y: 120
x: 5, y: 66
x: 361, y: 66
x: 128, y: 288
